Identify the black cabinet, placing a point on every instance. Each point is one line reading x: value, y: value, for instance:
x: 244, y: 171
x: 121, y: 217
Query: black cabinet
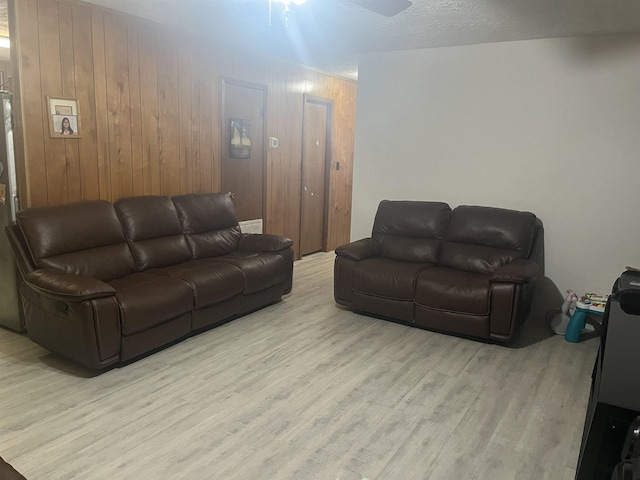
x: 614, y: 401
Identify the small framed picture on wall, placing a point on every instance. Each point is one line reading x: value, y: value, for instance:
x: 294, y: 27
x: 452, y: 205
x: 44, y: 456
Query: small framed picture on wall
x: 240, y: 139
x: 64, y: 118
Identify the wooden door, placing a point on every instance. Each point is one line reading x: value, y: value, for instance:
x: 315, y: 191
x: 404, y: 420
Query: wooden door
x: 243, y: 146
x: 315, y: 158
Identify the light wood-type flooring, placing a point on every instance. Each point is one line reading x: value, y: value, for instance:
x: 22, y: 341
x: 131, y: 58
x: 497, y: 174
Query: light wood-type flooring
x: 301, y: 390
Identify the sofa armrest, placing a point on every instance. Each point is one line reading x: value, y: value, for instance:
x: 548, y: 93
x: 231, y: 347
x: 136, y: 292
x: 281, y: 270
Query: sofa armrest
x: 518, y: 271
x: 359, y: 250
x: 20, y: 249
x: 264, y: 242
x: 67, y: 287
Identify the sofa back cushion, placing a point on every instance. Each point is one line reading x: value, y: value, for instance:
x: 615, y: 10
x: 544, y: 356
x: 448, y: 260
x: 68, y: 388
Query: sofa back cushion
x: 82, y: 238
x: 153, y: 229
x: 209, y: 223
x: 481, y: 239
x: 410, y: 231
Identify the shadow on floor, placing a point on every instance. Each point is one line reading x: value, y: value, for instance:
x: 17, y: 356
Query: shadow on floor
x: 536, y: 329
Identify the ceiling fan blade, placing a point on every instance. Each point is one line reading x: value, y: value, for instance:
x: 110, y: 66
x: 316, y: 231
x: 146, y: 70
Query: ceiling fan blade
x: 388, y: 8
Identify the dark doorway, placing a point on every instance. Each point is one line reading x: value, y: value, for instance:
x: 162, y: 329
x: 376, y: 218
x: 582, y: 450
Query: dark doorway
x: 243, y: 146
x: 316, y: 141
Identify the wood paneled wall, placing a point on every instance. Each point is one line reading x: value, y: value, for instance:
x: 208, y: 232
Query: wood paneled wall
x: 149, y: 101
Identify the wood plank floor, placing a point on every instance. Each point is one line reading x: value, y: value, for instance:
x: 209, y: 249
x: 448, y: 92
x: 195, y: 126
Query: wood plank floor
x: 301, y: 390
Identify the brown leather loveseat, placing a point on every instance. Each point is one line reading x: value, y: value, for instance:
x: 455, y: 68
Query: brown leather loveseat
x: 470, y: 271
x: 105, y: 283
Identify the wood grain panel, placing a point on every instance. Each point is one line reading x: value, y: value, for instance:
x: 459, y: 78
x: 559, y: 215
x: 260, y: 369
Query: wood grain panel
x: 68, y: 64
x: 85, y: 92
x: 149, y: 107
x: 203, y: 167
x: 149, y: 99
x: 218, y: 63
x: 135, y: 109
x: 67, y: 60
x: 100, y: 106
x: 276, y: 157
x: 185, y: 119
x: 118, y: 112
x: 168, y: 105
x: 195, y: 162
x: 33, y: 109
x: 51, y: 65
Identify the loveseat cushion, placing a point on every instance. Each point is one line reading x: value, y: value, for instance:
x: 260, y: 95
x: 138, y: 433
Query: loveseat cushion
x: 211, y: 281
x: 359, y: 250
x: 146, y: 300
x: 452, y: 290
x: 154, y: 231
x: 481, y: 239
x: 209, y: 223
x: 383, y: 277
x: 83, y: 238
x: 410, y: 231
x: 260, y: 270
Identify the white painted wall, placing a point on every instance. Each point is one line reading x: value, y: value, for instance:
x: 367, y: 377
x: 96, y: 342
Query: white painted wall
x: 550, y: 126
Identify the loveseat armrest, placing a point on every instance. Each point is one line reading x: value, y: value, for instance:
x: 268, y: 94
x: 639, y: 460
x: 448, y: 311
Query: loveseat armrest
x: 359, y: 250
x: 264, y: 242
x: 67, y: 287
x: 518, y: 271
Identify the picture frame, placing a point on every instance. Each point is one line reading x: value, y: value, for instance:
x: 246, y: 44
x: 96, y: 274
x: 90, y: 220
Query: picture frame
x: 64, y: 117
x: 239, y: 138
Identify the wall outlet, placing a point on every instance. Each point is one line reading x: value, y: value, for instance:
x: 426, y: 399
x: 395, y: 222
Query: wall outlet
x: 273, y: 142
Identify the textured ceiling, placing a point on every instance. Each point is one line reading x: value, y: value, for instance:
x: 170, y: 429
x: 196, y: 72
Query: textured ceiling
x: 332, y: 34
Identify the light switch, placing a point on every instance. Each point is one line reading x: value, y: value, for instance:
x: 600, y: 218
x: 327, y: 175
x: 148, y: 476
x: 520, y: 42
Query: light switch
x: 273, y: 142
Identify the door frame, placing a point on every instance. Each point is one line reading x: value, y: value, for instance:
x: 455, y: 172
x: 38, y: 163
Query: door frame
x: 328, y: 103
x: 224, y: 81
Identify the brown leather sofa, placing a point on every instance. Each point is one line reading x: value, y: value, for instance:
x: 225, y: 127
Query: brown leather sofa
x: 105, y: 283
x: 470, y: 271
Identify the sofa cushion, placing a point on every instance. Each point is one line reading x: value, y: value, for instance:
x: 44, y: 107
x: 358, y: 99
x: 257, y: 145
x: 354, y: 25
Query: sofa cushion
x: 211, y: 281
x: 209, y: 223
x: 410, y: 231
x: 481, y: 239
x: 152, y: 226
x: 260, y: 270
x: 387, y: 278
x: 82, y: 238
x: 453, y: 290
x: 146, y: 300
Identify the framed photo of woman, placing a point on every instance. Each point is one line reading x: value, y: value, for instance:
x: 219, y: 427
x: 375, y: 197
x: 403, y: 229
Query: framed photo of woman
x: 64, y: 118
